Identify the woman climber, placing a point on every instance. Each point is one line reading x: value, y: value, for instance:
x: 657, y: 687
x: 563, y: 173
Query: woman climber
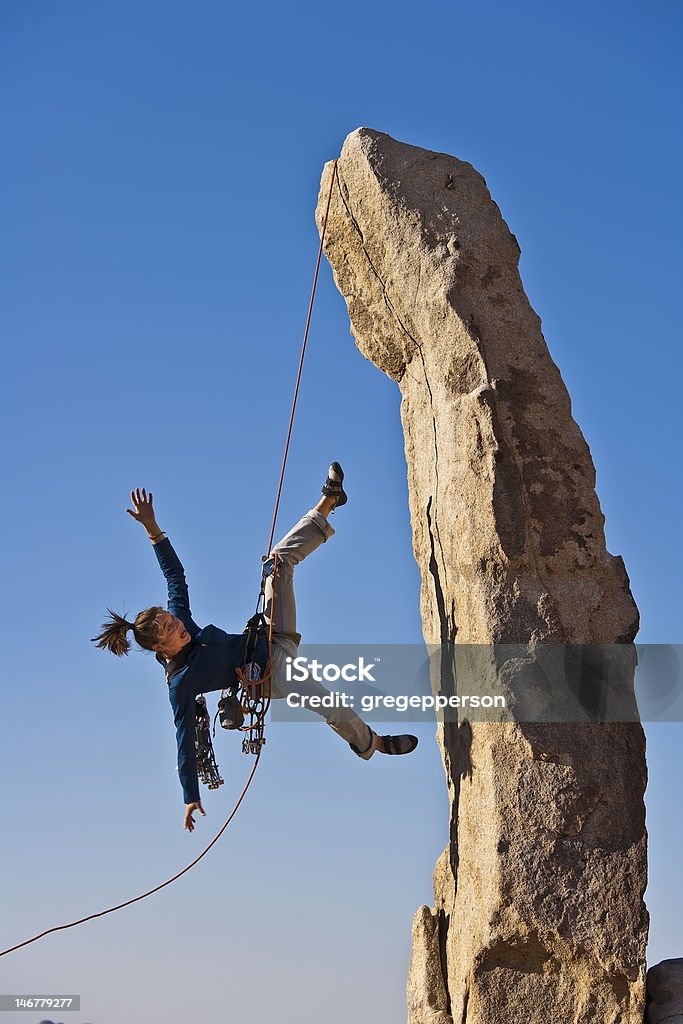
x: 200, y: 659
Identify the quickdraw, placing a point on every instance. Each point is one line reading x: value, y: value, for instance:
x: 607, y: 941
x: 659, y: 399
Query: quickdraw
x: 207, y: 769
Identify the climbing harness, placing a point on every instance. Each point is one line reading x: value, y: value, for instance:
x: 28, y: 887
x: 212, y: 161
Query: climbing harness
x: 258, y: 691
x: 248, y: 698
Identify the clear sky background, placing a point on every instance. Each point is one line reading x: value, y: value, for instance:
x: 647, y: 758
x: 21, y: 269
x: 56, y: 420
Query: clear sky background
x: 160, y: 173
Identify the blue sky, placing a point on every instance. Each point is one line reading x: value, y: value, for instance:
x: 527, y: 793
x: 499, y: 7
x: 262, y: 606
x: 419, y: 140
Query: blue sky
x: 161, y: 172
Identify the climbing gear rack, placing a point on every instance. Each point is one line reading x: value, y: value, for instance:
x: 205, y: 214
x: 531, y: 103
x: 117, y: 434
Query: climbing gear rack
x: 207, y: 768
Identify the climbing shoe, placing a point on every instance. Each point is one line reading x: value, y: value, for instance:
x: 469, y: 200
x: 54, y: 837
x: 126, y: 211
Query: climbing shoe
x: 333, y: 485
x: 230, y: 712
x: 396, y: 744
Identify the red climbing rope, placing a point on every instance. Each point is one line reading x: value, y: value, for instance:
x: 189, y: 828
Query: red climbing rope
x: 119, y: 906
x: 301, y: 358
x: 142, y: 896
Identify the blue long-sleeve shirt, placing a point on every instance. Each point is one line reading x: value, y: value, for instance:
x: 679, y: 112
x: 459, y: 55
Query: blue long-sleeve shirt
x: 210, y: 664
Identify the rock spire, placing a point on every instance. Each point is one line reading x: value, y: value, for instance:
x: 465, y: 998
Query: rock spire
x: 539, y: 912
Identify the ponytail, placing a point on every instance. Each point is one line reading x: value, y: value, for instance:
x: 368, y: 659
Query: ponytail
x: 113, y: 636
x: 114, y: 632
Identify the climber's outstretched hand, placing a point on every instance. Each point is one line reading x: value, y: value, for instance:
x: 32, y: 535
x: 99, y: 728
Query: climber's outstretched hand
x: 189, y: 820
x: 143, y: 508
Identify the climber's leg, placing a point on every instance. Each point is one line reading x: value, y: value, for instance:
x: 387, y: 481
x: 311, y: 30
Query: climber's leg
x: 310, y: 532
x: 345, y: 722
x: 363, y: 740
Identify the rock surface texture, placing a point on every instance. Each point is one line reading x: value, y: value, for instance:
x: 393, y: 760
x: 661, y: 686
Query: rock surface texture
x: 539, y: 915
x: 665, y: 993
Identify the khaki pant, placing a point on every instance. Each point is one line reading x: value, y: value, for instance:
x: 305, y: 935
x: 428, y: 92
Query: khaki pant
x: 310, y: 532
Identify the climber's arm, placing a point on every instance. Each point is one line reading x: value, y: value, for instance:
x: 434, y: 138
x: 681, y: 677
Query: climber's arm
x: 184, y: 717
x: 178, y: 594
x: 171, y: 566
